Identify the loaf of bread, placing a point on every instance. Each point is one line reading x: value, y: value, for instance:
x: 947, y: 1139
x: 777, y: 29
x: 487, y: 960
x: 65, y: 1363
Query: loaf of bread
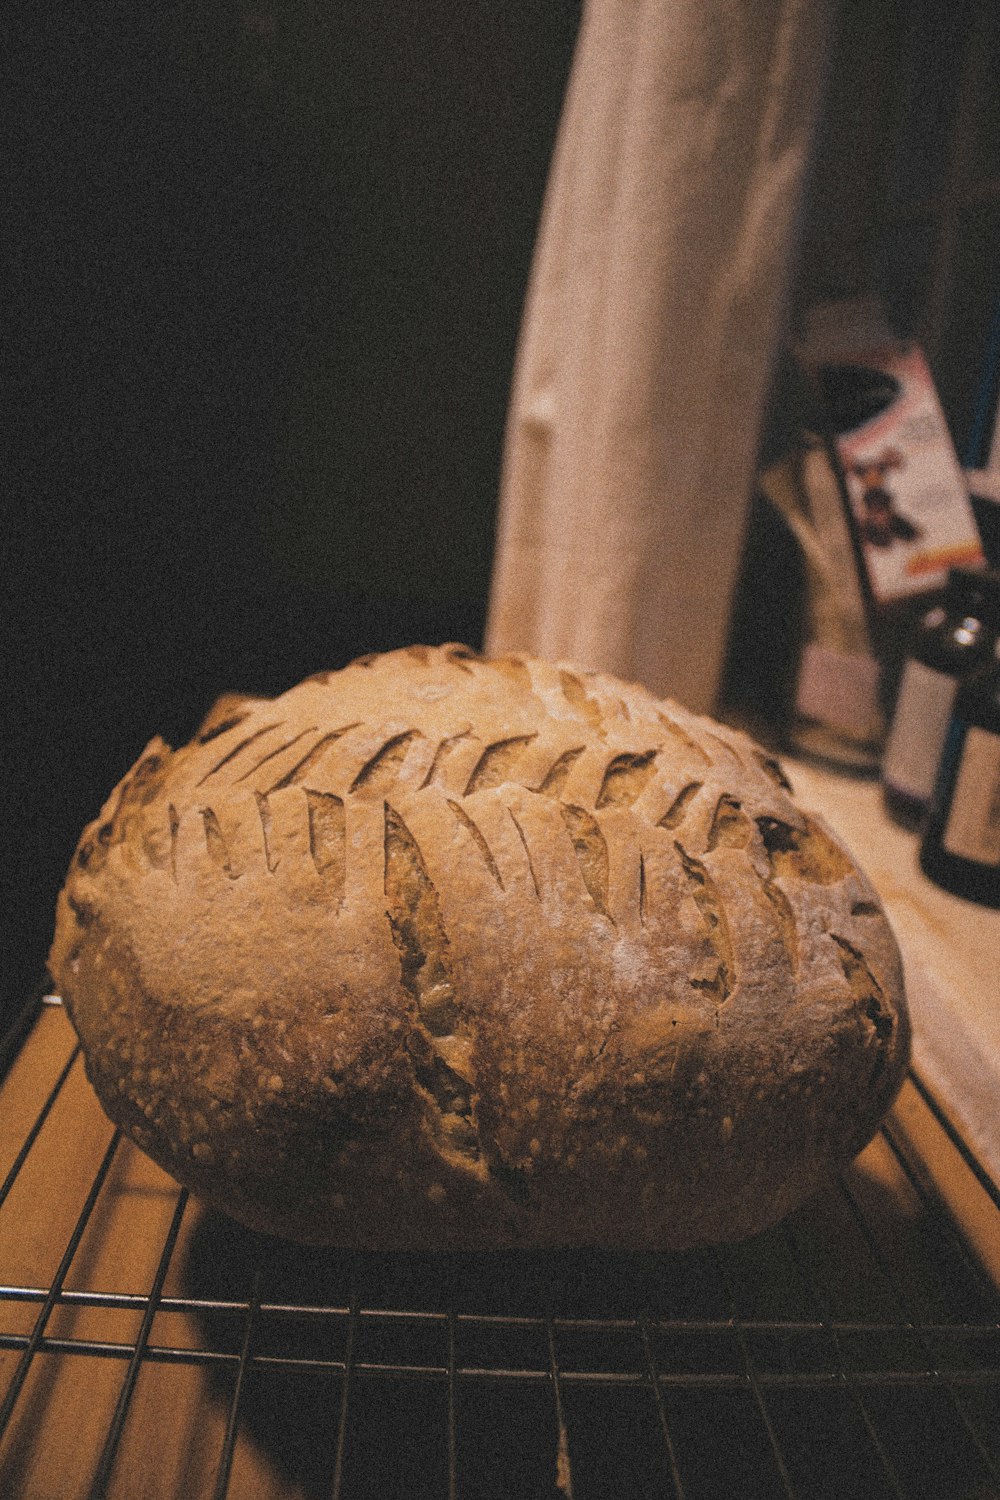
x: 439, y: 952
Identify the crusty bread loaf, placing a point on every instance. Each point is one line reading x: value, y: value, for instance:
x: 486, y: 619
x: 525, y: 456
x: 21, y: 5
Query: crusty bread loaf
x: 442, y: 952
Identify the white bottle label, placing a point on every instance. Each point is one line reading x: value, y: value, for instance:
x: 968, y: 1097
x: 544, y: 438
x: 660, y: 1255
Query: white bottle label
x: 919, y: 726
x: 973, y: 827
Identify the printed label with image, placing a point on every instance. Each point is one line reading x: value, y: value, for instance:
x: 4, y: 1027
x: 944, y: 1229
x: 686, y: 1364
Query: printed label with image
x: 908, y: 495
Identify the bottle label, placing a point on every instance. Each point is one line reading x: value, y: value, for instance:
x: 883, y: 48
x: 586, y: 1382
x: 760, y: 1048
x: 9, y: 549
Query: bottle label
x: 973, y: 827
x: 919, y: 725
x: 908, y: 498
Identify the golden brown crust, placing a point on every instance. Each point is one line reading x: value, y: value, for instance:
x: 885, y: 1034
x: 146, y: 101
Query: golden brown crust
x: 437, y: 951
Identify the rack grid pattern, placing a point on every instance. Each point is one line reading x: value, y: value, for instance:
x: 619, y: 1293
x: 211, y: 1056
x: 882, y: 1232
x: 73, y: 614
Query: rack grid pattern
x: 816, y: 1360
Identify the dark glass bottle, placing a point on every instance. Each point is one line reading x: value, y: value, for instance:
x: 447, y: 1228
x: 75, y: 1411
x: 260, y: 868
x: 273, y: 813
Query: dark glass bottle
x: 961, y: 843
x: 953, y: 638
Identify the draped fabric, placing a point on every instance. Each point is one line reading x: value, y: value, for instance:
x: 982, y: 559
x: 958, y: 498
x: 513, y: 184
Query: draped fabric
x: 655, y: 305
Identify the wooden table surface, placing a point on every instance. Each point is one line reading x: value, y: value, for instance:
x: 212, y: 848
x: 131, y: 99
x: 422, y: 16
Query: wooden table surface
x: 956, y: 941
x: 951, y: 951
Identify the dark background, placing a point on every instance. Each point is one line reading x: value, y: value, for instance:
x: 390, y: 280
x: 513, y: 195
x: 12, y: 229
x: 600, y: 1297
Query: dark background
x: 261, y: 302
x: 261, y: 275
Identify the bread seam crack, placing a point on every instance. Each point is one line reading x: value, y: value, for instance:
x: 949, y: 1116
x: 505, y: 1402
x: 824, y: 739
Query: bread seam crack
x: 591, y: 850
x: 496, y: 764
x: 479, y: 839
x: 381, y: 770
x: 278, y: 750
x: 437, y: 1030
x: 625, y: 778
x: 703, y: 893
x: 236, y: 750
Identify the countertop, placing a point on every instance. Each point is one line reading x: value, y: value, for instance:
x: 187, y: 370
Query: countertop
x: 951, y: 954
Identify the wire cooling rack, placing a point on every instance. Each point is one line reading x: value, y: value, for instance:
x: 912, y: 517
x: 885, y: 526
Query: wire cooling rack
x: 150, y: 1348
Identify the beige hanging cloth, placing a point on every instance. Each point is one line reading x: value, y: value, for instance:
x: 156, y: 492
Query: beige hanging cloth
x: 656, y: 302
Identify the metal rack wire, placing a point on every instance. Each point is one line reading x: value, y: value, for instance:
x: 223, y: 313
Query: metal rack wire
x: 852, y: 1351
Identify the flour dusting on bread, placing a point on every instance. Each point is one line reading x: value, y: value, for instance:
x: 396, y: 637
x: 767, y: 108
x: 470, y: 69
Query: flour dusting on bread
x: 440, y: 952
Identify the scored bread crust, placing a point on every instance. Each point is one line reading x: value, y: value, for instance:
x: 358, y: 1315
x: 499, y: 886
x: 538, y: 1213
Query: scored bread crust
x: 439, y: 952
